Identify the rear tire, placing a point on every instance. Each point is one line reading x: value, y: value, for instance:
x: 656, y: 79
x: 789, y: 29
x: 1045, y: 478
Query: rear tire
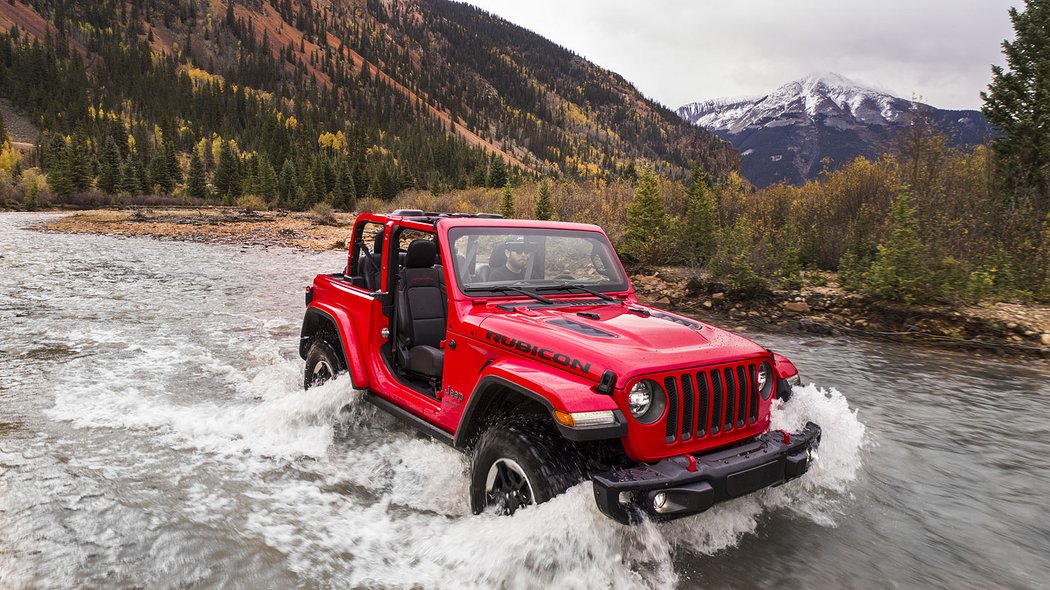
x: 518, y: 465
x: 322, y: 364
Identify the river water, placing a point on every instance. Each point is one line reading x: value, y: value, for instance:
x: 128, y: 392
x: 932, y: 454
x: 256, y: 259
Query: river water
x: 154, y: 433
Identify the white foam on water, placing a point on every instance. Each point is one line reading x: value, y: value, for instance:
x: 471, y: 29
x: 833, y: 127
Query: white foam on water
x: 817, y: 495
x: 565, y: 543
x: 416, y: 530
x: 285, y: 422
x: 377, y: 505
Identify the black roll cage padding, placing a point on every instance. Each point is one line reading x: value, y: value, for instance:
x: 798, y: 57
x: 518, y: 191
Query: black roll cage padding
x: 472, y: 255
x: 392, y: 242
x: 369, y: 259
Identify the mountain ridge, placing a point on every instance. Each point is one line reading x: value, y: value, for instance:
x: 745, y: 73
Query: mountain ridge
x: 819, y: 122
x: 418, y: 93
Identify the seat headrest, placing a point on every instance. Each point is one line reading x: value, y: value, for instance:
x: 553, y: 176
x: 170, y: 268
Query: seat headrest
x: 498, y: 257
x: 421, y: 254
x: 377, y: 242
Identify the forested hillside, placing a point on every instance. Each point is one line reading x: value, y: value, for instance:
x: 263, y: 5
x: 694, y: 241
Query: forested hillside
x: 299, y: 101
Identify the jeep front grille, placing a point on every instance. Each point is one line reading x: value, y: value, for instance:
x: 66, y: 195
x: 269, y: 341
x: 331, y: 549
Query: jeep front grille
x: 711, y: 401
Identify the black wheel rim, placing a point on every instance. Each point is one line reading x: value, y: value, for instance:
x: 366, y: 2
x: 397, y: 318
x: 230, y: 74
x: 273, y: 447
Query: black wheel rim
x: 507, y: 488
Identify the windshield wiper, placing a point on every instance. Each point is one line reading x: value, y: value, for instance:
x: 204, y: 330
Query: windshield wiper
x: 579, y: 287
x: 504, y: 289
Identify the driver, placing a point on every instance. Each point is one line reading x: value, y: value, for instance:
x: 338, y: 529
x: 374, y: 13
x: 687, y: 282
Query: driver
x: 517, y: 259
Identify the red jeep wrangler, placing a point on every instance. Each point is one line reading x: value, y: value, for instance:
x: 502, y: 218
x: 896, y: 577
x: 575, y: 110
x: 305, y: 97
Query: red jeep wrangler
x: 523, y: 343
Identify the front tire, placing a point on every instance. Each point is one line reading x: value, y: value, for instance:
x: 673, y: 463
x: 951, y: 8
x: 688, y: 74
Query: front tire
x: 322, y: 364
x: 519, y: 465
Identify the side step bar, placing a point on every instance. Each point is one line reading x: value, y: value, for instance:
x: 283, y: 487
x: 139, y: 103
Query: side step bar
x: 409, y: 418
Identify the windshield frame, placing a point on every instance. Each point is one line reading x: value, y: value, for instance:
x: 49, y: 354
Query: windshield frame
x: 602, y: 248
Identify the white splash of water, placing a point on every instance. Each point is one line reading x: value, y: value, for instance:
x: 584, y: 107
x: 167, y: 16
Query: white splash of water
x: 282, y: 424
x: 816, y: 495
x: 383, y: 506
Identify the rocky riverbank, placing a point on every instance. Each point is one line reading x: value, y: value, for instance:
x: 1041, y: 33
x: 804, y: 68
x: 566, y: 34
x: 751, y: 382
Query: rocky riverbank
x: 219, y: 225
x: 1006, y: 329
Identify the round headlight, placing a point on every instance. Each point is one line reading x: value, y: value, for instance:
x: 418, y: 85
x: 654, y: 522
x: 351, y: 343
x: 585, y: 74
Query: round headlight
x: 765, y: 380
x: 640, y: 399
x: 646, y: 401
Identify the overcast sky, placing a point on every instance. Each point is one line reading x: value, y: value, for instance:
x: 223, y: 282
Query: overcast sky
x: 679, y: 51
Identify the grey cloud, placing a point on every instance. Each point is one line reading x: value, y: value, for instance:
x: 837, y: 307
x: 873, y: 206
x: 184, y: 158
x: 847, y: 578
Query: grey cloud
x: 677, y: 52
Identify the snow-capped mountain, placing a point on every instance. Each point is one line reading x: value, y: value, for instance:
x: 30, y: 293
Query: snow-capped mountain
x: 790, y: 133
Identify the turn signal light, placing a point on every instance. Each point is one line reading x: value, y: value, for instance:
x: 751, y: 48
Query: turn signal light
x: 585, y: 418
x: 564, y: 418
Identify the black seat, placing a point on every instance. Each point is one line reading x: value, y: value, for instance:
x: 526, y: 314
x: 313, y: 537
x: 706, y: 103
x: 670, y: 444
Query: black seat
x: 420, y: 312
x: 373, y: 268
x: 497, y: 259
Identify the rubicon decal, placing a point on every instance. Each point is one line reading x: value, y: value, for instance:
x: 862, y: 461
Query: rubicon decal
x: 542, y: 353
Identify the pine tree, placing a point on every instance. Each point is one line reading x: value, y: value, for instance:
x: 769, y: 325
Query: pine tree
x: 497, y: 172
x: 157, y: 175
x: 645, y: 237
x: 630, y: 173
x: 899, y: 272
x: 172, y: 162
x: 287, y: 185
x: 139, y: 169
x: 544, y: 206
x: 361, y: 180
x: 196, y: 183
x: 226, y: 179
x: 3, y: 130
x: 346, y: 194
x: 306, y: 195
x: 698, y: 235
x: 266, y: 181
x: 127, y: 183
x: 109, y: 167
x: 79, y: 159
x: 55, y: 152
x: 320, y: 178
x: 375, y: 185
x: 1017, y: 104
x: 479, y: 174
x: 736, y: 261
x: 328, y: 173
x: 135, y: 177
x: 506, y: 205
x: 249, y: 176
x: 59, y: 168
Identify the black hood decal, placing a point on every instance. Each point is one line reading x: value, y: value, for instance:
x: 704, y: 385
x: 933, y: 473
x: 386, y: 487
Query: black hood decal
x: 541, y: 353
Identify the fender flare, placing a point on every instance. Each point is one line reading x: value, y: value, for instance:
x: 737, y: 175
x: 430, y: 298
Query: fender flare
x: 344, y: 328
x: 504, y: 376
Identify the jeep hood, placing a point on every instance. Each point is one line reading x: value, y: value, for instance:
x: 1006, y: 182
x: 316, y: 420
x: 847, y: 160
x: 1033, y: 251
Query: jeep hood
x: 630, y: 340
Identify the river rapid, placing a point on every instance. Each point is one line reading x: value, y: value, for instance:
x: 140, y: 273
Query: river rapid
x: 154, y: 433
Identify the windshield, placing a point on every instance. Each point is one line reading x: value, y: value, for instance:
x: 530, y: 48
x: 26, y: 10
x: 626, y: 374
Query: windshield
x: 495, y: 259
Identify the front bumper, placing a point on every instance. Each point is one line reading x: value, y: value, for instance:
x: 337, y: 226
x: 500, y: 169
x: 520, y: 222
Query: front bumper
x: 768, y: 460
